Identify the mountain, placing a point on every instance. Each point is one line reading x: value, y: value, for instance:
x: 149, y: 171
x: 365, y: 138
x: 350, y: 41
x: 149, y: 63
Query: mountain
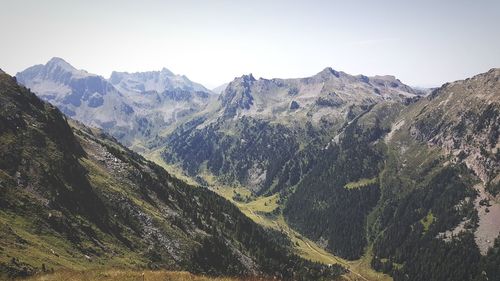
x: 72, y: 197
x: 446, y: 150
x: 133, y: 107
x: 79, y: 94
x: 264, y: 134
x: 313, y: 97
x: 462, y: 118
x: 157, y: 81
x: 417, y: 183
x: 363, y: 164
x: 172, y: 95
x: 404, y: 180
x: 160, y: 100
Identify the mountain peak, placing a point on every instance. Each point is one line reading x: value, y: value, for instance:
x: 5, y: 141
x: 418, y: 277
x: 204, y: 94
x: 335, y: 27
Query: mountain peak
x: 56, y: 61
x: 386, y: 77
x: 494, y: 71
x: 328, y: 72
x: 248, y: 77
x: 166, y: 71
x: 56, y: 70
x: 157, y: 80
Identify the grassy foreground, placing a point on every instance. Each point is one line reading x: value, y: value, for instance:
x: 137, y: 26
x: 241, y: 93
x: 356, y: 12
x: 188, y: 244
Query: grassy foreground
x: 129, y: 275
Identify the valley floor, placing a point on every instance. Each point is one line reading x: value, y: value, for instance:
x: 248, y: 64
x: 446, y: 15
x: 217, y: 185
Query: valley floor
x: 261, y: 209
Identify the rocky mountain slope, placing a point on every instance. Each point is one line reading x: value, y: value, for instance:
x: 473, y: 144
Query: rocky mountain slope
x: 72, y: 197
x: 133, y: 107
x: 416, y: 182
x: 276, y: 128
x: 463, y: 118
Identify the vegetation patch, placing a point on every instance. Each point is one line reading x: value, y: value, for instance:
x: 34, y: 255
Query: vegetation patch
x: 361, y: 183
x: 427, y: 221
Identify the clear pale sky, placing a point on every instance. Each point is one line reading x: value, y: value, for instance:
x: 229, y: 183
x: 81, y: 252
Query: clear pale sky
x: 424, y: 43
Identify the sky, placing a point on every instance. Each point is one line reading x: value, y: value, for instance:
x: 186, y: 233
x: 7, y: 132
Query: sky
x: 423, y: 43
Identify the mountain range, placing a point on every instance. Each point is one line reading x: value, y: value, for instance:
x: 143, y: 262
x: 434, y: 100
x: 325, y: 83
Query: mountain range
x: 272, y: 126
x: 364, y: 168
x: 133, y: 107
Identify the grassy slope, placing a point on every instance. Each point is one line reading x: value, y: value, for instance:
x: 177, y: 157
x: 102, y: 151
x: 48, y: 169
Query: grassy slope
x: 361, y: 183
x: 37, y: 245
x: 26, y: 240
x: 129, y: 275
x: 171, y: 169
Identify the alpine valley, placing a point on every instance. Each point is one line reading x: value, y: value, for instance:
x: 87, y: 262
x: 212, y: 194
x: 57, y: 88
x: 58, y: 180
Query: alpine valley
x: 328, y: 177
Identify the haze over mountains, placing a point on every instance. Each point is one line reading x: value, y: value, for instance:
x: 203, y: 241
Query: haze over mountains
x: 130, y: 106
x: 365, y: 168
x: 142, y: 109
x: 134, y: 107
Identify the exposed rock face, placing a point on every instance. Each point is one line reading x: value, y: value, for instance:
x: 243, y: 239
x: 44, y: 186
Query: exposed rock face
x: 160, y: 99
x: 463, y: 118
x: 461, y: 121
x: 237, y: 95
x: 488, y: 228
x: 294, y: 105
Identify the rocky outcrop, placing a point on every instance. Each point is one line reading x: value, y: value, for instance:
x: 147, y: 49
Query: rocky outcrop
x: 463, y: 119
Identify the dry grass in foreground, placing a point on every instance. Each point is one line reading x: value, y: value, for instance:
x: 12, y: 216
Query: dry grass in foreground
x: 130, y: 275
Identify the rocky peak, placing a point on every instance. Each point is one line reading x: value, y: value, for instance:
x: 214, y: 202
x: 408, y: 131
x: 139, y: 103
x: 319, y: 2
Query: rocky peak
x: 246, y: 78
x: 167, y: 72
x: 56, y: 62
x: 328, y: 73
x: 237, y: 95
x: 159, y: 81
x: 390, y: 82
x: 116, y: 77
x: 363, y: 78
x: 243, y: 81
x: 56, y: 70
